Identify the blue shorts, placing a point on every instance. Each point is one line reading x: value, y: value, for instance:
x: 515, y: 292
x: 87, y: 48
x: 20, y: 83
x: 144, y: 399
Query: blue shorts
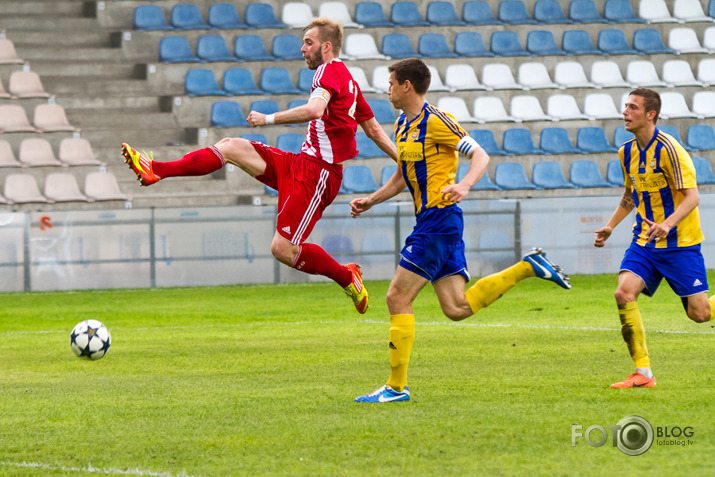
x: 435, y: 248
x: 682, y: 268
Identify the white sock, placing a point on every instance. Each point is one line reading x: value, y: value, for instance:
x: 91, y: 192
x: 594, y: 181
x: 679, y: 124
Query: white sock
x: 645, y: 372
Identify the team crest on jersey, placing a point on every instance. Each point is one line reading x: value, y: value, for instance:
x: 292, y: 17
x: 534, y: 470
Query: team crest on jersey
x: 415, y: 134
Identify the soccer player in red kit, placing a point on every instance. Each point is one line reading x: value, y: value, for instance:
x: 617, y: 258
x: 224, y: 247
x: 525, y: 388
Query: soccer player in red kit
x: 306, y: 182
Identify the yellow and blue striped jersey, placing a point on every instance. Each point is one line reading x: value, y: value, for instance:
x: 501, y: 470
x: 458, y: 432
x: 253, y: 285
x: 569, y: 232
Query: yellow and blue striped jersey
x: 427, y: 150
x: 656, y: 176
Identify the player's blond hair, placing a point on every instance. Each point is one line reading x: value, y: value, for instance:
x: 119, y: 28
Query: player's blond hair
x: 328, y: 31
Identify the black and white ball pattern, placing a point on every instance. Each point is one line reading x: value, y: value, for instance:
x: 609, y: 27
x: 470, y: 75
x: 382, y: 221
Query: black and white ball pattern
x: 90, y: 339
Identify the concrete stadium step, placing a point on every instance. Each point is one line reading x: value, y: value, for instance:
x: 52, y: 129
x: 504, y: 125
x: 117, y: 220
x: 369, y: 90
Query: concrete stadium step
x: 147, y: 138
x: 91, y: 36
x: 88, y: 119
x: 95, y: 87
x: 68, y: 53
x: 46, y: 7
x: 86, y: 68
x: 42, y: 23
x: 108, y: 102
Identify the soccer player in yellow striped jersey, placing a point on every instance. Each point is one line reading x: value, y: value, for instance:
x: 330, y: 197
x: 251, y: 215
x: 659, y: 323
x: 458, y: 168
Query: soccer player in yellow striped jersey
x: 660, y: 185
x: 429, y: 142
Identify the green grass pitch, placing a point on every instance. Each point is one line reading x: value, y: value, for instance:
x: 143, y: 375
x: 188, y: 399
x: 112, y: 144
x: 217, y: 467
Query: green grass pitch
x: 260, y: 380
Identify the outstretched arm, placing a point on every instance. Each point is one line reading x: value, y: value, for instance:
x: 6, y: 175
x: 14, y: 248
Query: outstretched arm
x: 374, y: 131
x: 313, y: 109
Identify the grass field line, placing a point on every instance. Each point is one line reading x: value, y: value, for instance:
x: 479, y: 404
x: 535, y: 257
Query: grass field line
x: 89, y: 469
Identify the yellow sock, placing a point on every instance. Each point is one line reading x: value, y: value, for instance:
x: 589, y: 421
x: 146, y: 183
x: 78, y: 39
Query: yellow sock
x: 402, y: 335
x: 634, y: 333
x: 489, y: 289
x: 712, y: 307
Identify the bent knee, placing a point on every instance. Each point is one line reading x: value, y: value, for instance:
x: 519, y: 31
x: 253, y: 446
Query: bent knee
x: 699, y: 317
x: 456, y: 313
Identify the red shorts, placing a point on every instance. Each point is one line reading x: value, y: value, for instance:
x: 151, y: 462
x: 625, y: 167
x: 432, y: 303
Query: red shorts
x: 305, y: 185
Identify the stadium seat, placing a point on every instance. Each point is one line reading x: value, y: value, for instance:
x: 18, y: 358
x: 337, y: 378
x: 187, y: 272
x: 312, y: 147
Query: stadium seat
x: 549, y: 12
x: 211, y: 48
x: 585, y: 11
x: 37, y: 152
x: 703, y: 171
x: 224, y: 16
x: 22, y: 189
x: 290, y: 142
x: 457, y: 108
x: 8, y: 55
x: 256, y: 138
x: 270, y: 191
x: 600, y: 106
x: 358, y: 179
x: 436, y: 83
x: 187, y: 17
x: 461, y: 77
x: 3, y: 93
x: 685, y: 40
x: 678, y: 73
x: 563, y: 107
x: 287, y: 47
x: 673, y: 105
x: 621, y: 136
x: 176, y: 49
x: 398, y: 45
x: 593, y: 140
x: 490, y: 109
x: 296, y: 14
x: 642, y: 73
x: 7, y: 156
x: 607, y: 74
x: 709, y: 39
x: 305, y: 79
x: 366, y: 147
x: 387, y: 172
x: 689, y: 11
x: 614, y: 173
x: 251, y: 48
x: 382, y: 109
x: 103, y: 186
x: 570, y: 74
x: 77, y: 152
x: 613, y: 42
x: 648, y: 42
x: 706, y: 71
x: 654, y: 11
x: 533, y: 75
x: 14, y: 119
x: 51, y: 118
x: 711, y: 8
x: 484, y: 182
x: 506, y: 43
x: 486, y: 139
x: 239, y: 81
x: 701, y: 137
x: 499, y: 76
x: 26, y: 84
x: 150, y: 17
x: 703, y: 104
x: 265, y: 106
x: 556, y: 141
x: 360, y: 78
x: 361, y: 46
x: 442, y: 13
x: 380, y: 78
x: 673, y: 131
x: 476, y: 12
x: 370, y: 14
x: 542, y: 43
x: 201, y: 82
x: 261, y: 15
x: 227, y: 114
x: 519, y: 141
x: 513, y: 12
x: 578, y: 42
x: 407, y: 14
x: 549, y: 175
x: 434, y: 45
x: 511, y: 176
x: 337, y: 11
x: 586, y: 174
x: 470, y: 44
x: 528, y: 108
x: 277, y: 81
x: 63, y: 187
x: 620, y: 11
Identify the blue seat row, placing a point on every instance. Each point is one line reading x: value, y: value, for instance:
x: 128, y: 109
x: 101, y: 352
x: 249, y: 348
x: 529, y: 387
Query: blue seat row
x: 212, y: 48
x: 220, y: 16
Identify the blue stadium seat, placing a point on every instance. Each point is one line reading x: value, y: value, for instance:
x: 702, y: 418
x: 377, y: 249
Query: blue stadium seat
x: 484, y: 182
x: 287, y: 47
x: 290, y: 142
x: 711, y: 9
x: 270, y: 191
x: 150, y: 17
x: 224, y: 16
x: 511, y: 175
x: 557, y: 141
x: 470, y: 44
x: 338, y: 245
x: 614, y: 42
x: 370, y: 14
x: 486, y: 139
x: 265, y: 106
x: 213, y: 48
x: 227, y: 114
x: 648, y: 42
x: 277, y: 81
x: 620, y: 11
x: 542, y: 43
x: 406, y: 14
x: 187, y: 17
x: 703, y: 171
x: 548, y: 175
x: 434, y: 45
x: 506, y: 43
x: 382, y: 109
x: 513, y: 12
x: 586, y: 174
x: 477, y: 12
x: 201, y: 82
x: 387, y: 172
x: 366, y: 147
x: 614, y: 173
x: 398, y: 45
x: 305, y: 79
x: 585, y: 11
x: 620, y: 136
x: 261, y: 15
x: 593, y: 140
x: 358, y: 179
x: 578, y: 42
x: 519, y: 141
x: 701, y: 137
x: 176, y: 49
x: 251, y: 48
x: 549, y: 12
x: 673, y: 131
x: 256, y: 138
x: 239, y: 81
x: 442, y: 13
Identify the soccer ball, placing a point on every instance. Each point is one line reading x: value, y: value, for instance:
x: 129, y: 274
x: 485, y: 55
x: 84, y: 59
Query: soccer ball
x: 90, y: 339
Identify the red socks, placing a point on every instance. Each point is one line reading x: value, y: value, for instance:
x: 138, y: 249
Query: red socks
x: 197, y: 163
x: 314, y: 260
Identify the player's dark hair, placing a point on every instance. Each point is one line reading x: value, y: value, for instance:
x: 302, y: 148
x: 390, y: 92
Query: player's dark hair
x: 651, y: 100
x: 413, y: 70
x: 328, y: 31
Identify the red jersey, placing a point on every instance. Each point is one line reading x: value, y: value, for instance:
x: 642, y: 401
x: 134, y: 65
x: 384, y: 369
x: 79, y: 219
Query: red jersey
x: 331, y: 138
